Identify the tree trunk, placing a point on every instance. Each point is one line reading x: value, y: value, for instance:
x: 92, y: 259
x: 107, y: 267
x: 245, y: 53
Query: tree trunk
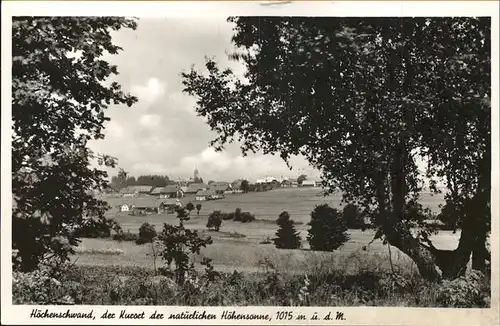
x: 422, y: 256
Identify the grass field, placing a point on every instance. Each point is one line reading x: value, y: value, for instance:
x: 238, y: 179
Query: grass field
x: 238, y: 245
x: 298, y: 202
x: 254, y: 273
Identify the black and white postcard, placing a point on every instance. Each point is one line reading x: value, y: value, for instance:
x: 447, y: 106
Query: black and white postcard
x: 253, y: 163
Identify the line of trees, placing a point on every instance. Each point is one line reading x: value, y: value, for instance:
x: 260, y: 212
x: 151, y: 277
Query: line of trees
x: 123, y: 179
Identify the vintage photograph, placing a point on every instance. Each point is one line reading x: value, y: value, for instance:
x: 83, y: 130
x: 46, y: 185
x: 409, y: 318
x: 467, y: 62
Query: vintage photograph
x: 251, y: 161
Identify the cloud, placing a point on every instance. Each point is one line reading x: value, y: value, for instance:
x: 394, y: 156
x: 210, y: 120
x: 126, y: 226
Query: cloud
x: 149, y: 92
x: 114, y: 129
x: 162, y: 132
x: 150, y: 120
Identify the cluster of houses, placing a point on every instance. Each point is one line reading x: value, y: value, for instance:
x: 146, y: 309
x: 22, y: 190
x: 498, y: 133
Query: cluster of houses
x: 201, y: 191
x: 212, y: 191
x: 288, y: 183
x: 168, y: 205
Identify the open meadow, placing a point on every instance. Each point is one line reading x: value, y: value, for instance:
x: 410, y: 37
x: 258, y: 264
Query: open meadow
x: 253, y: 272
x: 238, y: 246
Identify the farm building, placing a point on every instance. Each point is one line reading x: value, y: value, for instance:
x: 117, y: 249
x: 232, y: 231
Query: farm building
x: 170, y: 204
x: 143, y: 210
x: 195, y: 187
x: 236, y: 184
x: 135, y: 190
x: 208, y: 194
x: 124, y: 208
x: 267, y: 180
x: 220, y: 187
x: 309, y: 183
x: 168, y: 192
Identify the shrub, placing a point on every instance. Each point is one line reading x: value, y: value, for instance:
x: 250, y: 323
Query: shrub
x: 125, y: 236
x: 214, y: 220
x: 247, y: 217
x: 178, y: 244
x: 198, y: 208
x: 147, y: 233
x: 353, y: 218
x: 471, y: 290
x: 286, y: 236
x: 189, y: 207
x: 93, y: 232
x: 237, y: 215
x: 227, y: 216
x: 42, y: 286
x: 328, y: 229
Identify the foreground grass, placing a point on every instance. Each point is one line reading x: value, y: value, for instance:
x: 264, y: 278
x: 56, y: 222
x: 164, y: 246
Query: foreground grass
x: 118, y: 285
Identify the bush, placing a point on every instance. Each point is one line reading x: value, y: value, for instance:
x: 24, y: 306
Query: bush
x: 472, y: 290
x: 247, y: 217
x: 286, y: 236
x: 42, y: 287
x: 179, y: 244
x: 328, y: 229
x: 237, y: 215
x: 190, y: 207
x: 125, y: 236
x: 227, y: 216
x: 353, y: 218
x: 214, y: 220
x: 92, y: 232
x: 147, y: 233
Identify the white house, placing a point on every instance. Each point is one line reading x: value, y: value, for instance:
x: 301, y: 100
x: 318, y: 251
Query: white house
x: 124, y: 208
x: 308, y: 183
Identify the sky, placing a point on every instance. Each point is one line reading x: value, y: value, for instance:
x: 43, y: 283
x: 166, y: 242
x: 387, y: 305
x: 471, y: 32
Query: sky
x: 161, y: 133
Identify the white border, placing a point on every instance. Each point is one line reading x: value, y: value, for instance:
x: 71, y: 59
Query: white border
x: 359, y: 316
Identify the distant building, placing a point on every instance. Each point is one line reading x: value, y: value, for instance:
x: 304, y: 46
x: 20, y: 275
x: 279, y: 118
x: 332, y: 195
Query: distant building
x: 143, y: 210
x: 207, y: 194
x: 236, y: 184
x: 195, y: 187
x: 124, y: 208
x: 172, y: 191
x: 171, y: 204
x: 266, y: 180
x: 308, y: 183
x: 220, y: 187
x: 196, y: 174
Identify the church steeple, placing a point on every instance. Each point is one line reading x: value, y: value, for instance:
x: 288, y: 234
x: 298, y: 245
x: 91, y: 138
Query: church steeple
x: 196, y: 173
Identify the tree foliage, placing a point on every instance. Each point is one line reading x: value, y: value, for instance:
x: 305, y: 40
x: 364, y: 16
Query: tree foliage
x: 301, y: 178
x: 214, y: 220
x: 60, y: 92
x: 353, y: 217
x: 155, y: 180
x: 363, y: 99
x: 179, y: 243
x: 147, y: 233
x: 286, y: 236
x: 245, y: 186
x: 328, y: 229
x: 189, y: 207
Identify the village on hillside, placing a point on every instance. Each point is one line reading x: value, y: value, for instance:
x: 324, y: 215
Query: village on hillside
x: 196, y: 190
